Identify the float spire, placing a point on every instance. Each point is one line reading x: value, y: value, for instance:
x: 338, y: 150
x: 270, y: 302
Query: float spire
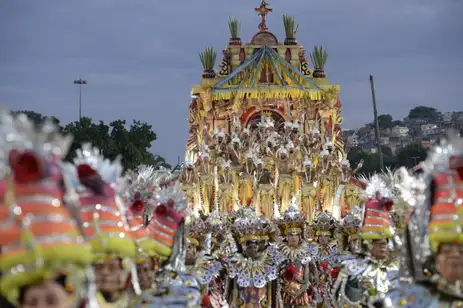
x: 262, y: 11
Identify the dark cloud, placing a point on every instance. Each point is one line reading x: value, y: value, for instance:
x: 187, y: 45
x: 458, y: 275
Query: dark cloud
x: 141, y: 57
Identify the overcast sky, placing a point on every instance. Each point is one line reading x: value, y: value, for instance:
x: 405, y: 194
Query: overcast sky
x: 140, y: 57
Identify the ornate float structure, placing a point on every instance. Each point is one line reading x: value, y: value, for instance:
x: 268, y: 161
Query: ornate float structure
x: 265, y: 129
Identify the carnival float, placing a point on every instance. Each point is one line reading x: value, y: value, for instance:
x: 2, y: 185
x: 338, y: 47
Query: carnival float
x: 265, y: 129
x: 265, y: 212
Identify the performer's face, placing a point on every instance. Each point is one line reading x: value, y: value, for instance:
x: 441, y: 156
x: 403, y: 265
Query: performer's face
x: 48, y: 294
x: 191, y: 254
x: 251, y: 249
x: 146, y: 273
x: 449, y: 262
x: 323, y: 239
x: 379, y: 249
x: 108, y: 276
x: 293, y: 240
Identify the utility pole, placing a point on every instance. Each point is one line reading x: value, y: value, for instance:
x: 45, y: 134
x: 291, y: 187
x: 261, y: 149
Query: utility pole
x: 80, y: 82
x: 375, y: 114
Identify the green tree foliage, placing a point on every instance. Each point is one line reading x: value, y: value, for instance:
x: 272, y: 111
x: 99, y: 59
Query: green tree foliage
x: 132, y: 143
x: 35, y: 117
x: 422, y: 112
x: 411, y: 154
x: 385, y: 121
x: 371, y: 160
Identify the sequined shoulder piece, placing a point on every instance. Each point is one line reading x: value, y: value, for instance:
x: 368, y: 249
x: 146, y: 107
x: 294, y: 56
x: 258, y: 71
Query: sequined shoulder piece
x: 355, y: 267
x: 411, y: 296
x: 253, y: 274
x: 313, y: 250
x: 209, y: 270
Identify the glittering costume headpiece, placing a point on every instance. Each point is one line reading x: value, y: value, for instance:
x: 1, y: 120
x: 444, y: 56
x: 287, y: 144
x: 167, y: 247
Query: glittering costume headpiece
x: 324, y: 224
x: 292, y: 222
x: 174, y: 286
x: 196, y: 231
x: 39, y: 237
x: 352, y: 222
x: 170, y: 212
x: 435, y: 203
x: 100, y: 184
x: 376, y: 220
x: 249, y: 227
x: 139, y: 200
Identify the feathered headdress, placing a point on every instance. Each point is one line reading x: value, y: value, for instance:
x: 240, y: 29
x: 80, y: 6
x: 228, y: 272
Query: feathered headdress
x: 377, y: 220
x: 100, y: 185
x: 139, y: 201
x: 170, y: 212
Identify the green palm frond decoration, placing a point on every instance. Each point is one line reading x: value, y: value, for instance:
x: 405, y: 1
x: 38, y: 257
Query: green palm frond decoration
x: 235, y: 26
x: 291, y: 26
x: 319, y: 57
x: 208, y: 57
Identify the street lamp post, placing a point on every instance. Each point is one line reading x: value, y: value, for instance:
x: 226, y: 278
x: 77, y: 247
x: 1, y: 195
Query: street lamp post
x: 80, y: 82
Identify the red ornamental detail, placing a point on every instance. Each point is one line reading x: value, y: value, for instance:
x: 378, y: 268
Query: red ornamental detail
x: 206, y: 301
x: 137, y: 206
x: 386, y: 204
x: 26, y: 166
x: 85, y: 171
x: 334, y: 273
x: 290, y: 273
x: 161, y: 210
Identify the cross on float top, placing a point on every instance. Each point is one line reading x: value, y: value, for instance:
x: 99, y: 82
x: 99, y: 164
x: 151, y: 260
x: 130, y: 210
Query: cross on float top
x: 262, y: 11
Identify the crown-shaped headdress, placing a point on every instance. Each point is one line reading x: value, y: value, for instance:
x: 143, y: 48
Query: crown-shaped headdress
x: 249, y: 227
x: 324, y: 224
x: 100, y: 184
x: 195, y: 228
x: 352, y: 222
x: 292, y: 222
x: 39, y: 237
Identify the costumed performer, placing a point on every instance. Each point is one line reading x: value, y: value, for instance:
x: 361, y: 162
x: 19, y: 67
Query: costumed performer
x: 365, y: 280
x: 254, y: 269
x: 100, y: 185
x: 44, y: 260
x: 296, y: 269
x: 432, y: 258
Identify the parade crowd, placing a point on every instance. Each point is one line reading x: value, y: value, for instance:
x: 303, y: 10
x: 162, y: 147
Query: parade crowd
x: 88, y: 234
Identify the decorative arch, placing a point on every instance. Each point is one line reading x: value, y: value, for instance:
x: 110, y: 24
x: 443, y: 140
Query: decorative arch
x: 255, y: 117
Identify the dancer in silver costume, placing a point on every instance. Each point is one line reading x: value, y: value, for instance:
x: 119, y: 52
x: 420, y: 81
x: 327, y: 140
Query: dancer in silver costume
x: 365, y: 280
x: 432, y: 255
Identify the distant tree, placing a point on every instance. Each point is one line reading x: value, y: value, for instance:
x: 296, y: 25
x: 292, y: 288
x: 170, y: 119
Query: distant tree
x: 370, y: 162
x: 385, y: 121
x: 411, y: 154
x: 387, y: 151
x: 422, y: 112
x: 397, y: 123
x: 36, y: 117
x: 133, y: 144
